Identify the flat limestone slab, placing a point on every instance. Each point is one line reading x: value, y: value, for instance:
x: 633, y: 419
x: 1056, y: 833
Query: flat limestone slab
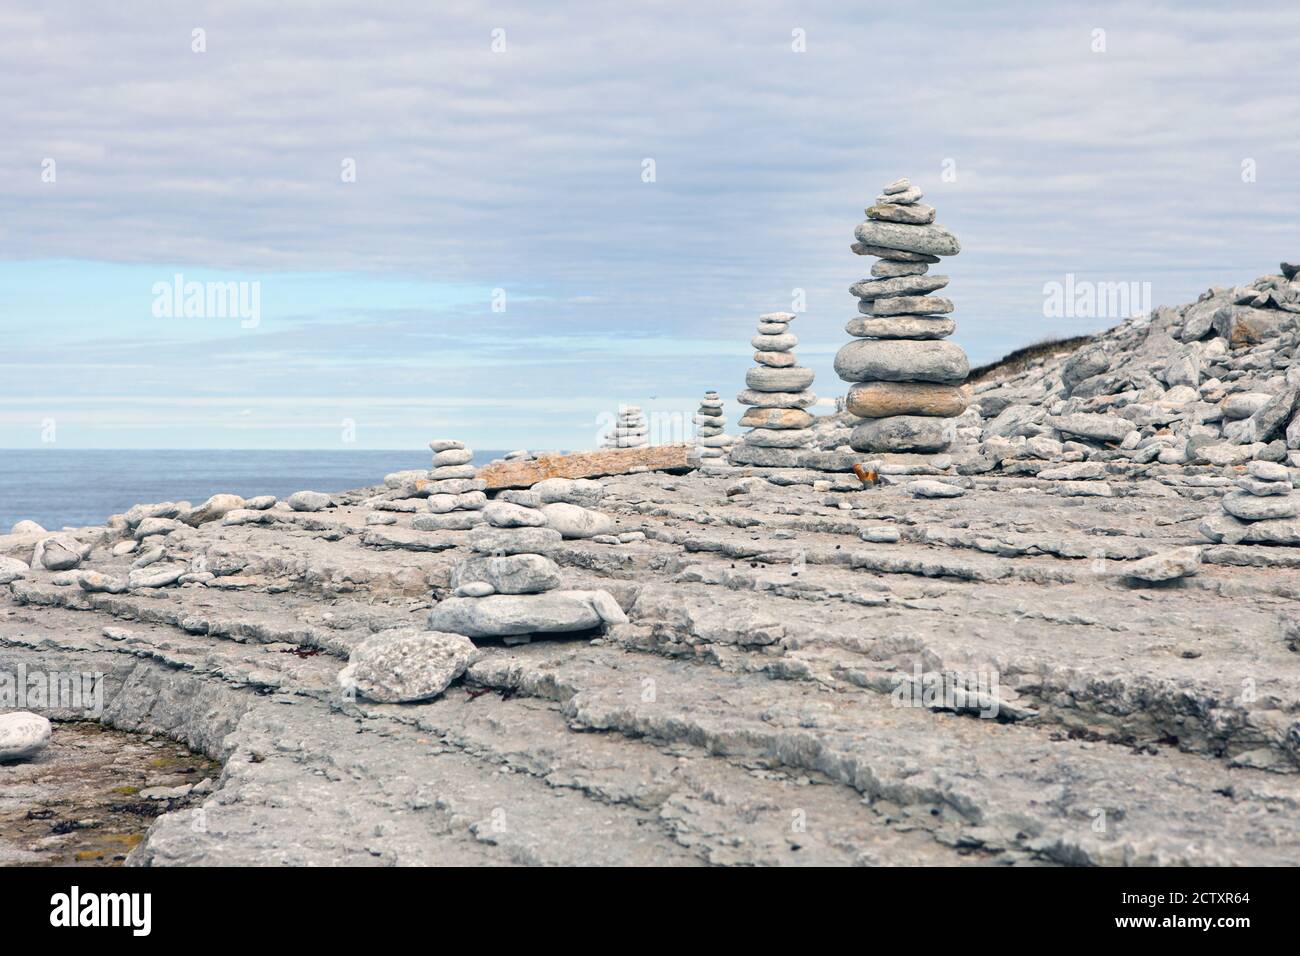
x: 592, y: 464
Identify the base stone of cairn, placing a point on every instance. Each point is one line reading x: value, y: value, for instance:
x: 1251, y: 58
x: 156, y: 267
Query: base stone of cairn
x: 630, y: 429
x: 1264, y: 509
x: 712, y: 440
x: 455, y: 495
x: 906, y: 380
x: 780, y: 430
x: 510, y: 587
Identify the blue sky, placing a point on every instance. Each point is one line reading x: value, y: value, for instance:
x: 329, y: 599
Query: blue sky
x: 522, y: 171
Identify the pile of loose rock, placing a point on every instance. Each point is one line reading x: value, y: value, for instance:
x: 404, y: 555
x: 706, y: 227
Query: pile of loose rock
x: 906, y: 379
x: 777, y: 393
x: 1187, y: 396
x: 630, y: 429
x: 509, y: 588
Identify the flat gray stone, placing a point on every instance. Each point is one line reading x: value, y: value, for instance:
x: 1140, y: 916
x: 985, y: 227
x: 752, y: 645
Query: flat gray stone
x: 901, y: 360
x: 500, y: 615
x: 900, y: 327
x: 575, y: 521
x: 931, y: 239
x: 1166, y: 566
x: 929, y: 488
x: 891, y: 255
x: 903, y: 433
x: 503, y: 514
x: 916, y: 213
x: 888, y: 269
x: 764, y: 379
x: 486, y: 540
x: 509, y: 574
x: 1102, y: 428
x: 900, y: 285
x: 774, y: 343
x: 1248, y: 507
x: 453, y: 521
x: 309, y: 501
x: 406, y: 664
x: 906, y: 305
x: 778, y: 437
x: 23, y: 734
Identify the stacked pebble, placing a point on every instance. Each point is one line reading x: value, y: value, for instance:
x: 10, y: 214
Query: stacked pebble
x: 906, y: 380
x: 712, y: 440
x: 777, y: 395
x: 1265, y: 494
x: 508, y: 588
x: 455, y: 496
x: 630, y: 429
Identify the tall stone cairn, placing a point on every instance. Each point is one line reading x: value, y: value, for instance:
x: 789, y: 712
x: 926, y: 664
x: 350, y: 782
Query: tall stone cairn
x: 906, y: 380
x: 777, y: 395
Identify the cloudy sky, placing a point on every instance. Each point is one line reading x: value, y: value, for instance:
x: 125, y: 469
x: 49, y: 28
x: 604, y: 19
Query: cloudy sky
x: 503, y: 267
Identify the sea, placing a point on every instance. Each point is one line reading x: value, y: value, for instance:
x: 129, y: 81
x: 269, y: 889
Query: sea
x: 64, y: 487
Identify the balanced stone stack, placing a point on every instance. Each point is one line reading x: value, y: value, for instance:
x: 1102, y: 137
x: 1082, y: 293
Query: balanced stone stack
x: 906, y: 379
x: 777, y: 395
x: 1264, y: 511
x: 630, y: 429
x: 509, y: 587
x: 455, y: 496
x: 712, y: 440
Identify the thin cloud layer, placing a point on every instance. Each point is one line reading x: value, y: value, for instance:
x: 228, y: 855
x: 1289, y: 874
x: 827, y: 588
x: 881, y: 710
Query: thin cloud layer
x: 523, y: 170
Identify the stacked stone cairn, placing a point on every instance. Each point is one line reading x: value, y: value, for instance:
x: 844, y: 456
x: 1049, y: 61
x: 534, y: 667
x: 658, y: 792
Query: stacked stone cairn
x: 455, y: 496
x: 712, y: 440
x: 907, y: 381
x: 777, y: 395
x: 630, y: 429
x: 509, y: 587
x: 1263, y: 511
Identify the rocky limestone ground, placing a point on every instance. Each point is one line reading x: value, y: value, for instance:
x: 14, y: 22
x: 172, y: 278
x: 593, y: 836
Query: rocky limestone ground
x: 1132, y: 659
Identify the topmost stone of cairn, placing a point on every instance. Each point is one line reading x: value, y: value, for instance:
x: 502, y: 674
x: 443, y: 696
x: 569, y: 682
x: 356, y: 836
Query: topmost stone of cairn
x: 906, y: 379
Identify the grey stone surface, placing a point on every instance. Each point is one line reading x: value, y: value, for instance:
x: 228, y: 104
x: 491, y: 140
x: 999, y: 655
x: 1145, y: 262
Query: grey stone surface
x: 508, y: 574
x: 901, y: 360
x: 903, y: 433
x: 763, y: 379
x: 931, y: 239
x: 904, y: 285
x: 1166, y: 566
x: 23, y: 735
x: 499, y: 615
x: 406, y: 664
x: 900, y: 327
x: 309, y: 501
x: 907, y: 305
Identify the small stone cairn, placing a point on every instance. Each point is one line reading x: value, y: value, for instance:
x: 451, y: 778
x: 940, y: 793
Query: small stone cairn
x: 630, y: 429
x: 906, y: 379
x: 777, y: 395
x: 712, y: 440
x: 1264, y: 511
x: 455, y: 496
x: 509, y: 587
